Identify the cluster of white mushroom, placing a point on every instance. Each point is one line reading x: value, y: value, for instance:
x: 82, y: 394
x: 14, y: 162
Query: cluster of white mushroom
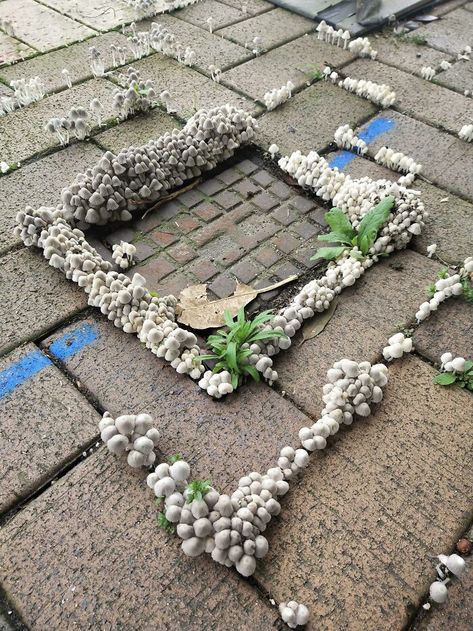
x: 294, y: 614
x: 163, y: 41
x: 215, y: 73
x: 256, y: 45
x: 118, y: 184
x: 379, y: 94
x: 118, y: 55
x: 149, y: 8
x: 139, y: 44
x: 466, y: 133
x: 444, y: 288
x: 398, y: 161
x: 7, y: 104
x: 449, y: 363
x: 28, y: 91
x: 278, y: 96
x: 427, y: 73
x: 216, y: 384
x: 449, y: 566
x: 465, y: 54
x: 123, y: 254
x: 327, y: 33
x: 96, y: 62
x: 330, y: 74
x: 362, y: 47
x: 346, y: 138
x: 398, y: 344
x: 76, y: 121
x: 136, y: 96
x: 444, y: 65
x: 131, y: 434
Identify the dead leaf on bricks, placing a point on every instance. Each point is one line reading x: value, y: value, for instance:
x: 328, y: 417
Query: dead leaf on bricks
x: 195, y: 310
x: 318, y: 324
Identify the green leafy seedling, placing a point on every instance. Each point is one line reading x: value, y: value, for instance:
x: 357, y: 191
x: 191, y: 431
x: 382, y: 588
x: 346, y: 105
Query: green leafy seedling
x: 175, y: 458
x: 227, y: 345
x: 343, y: 232
x: 462, y: 379
x: 165, y: 524
x: 197, y: 489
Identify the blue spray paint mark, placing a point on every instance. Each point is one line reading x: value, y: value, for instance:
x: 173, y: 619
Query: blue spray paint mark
x: 64, y: 347
x: 376, y: 128
x: 73, y: 342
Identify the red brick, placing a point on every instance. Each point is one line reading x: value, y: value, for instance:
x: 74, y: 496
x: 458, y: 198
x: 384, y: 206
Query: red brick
x: 182, y: 253
x: 186, y: 224
x: 303, y: 255
x: 267, y: 256
x: 264, y: 201
x: 222, y: 225
x: 246, y: 188
x: 227, y: 199
x: 229, y: 176
x: 207, y: 211
x: 163, y: 238
x: 286, y: 243
x: 281, y: 190
x: 287, y: 269
x: 223, y: 286
x: 210, y: 187
x: 203, y: 270
x: 263, y: 178
x: 303, y: 204
x: 155, y: 269
x: 247, y: 167
x: 155, y: 218
x: 246, y: 270
x: 285, y: 215
x: 230, y: 256
x: 173, y: 284
x: 190, y: 198
x: 306, y: 229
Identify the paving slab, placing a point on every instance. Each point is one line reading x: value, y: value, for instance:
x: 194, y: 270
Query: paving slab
x: 451, y: 33
x: 309, y: 119
x: 447, y: 330
x: 354, y: 537
x: 22, y: 133
x: 250, y: 7
x: 222, y: 14
x: 367, y: 314
x: 12, y: 49
x: 40, y: 27
x: 95, y: 572
x: 446, y: 213
x: 298, y: 61
x: 101, y: 15
x: 275, y: 27
x: 402, y: 52
x: 137, y: 130
x: 40, y: 184
x: 75, y: 58
x: 46, y: 423
x: 189, y: 89
x: 456, y: 613
x: 35, y: 298
x: 124, y: 377
x: 210, y: 48
x: 417, y: 97
x: 458, y: 77
x: 430, y: 146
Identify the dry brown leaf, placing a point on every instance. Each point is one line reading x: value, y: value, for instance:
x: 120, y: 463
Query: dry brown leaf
x: 195, y: 310
x: 318, y: 323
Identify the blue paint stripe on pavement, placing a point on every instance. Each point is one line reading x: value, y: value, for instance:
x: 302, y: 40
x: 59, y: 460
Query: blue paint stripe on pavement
x: 73, y: 342
x: 376, y: 128
x: 26, y: 367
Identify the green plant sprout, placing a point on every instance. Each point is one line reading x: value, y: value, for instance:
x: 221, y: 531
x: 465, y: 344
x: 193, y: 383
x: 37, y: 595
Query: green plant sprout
x: 463, y: 379
x: 230, y: 346
x: 196, y: 490
x: 343, y: 232
x: 175, y: 458
x: 165, y: 524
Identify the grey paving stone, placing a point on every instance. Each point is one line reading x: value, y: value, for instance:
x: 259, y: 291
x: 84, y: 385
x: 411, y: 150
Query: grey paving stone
x: 450, y: 34
x: 210, y: 48
x: 407, y: 55
x: 12, y: 49
x: 450, y: 220
x: 429, y: 147
x: 5, y: 90
x: 35, y: 298
x: 222, y: 14
x: 274, y: 27
x: 40, y: 184
x: 447, y: 330
x: 45, y: 423
x: 297, y: 61
x: 74, y: 58
x: 309, y: 120
x: 367, y: 314
x: 189, y: 89
x: 458, y: 77
x: 40, y: 27
x: 22, y: 133
x: 416, y: 97
x: 250, y: 7
x: 62, y: 544
x: 101, y: 15
x: 137, y: 131
x: 124, y: 376
x: 356, y: 536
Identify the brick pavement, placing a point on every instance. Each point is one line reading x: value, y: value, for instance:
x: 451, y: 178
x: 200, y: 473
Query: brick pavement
x: 79, y: 542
